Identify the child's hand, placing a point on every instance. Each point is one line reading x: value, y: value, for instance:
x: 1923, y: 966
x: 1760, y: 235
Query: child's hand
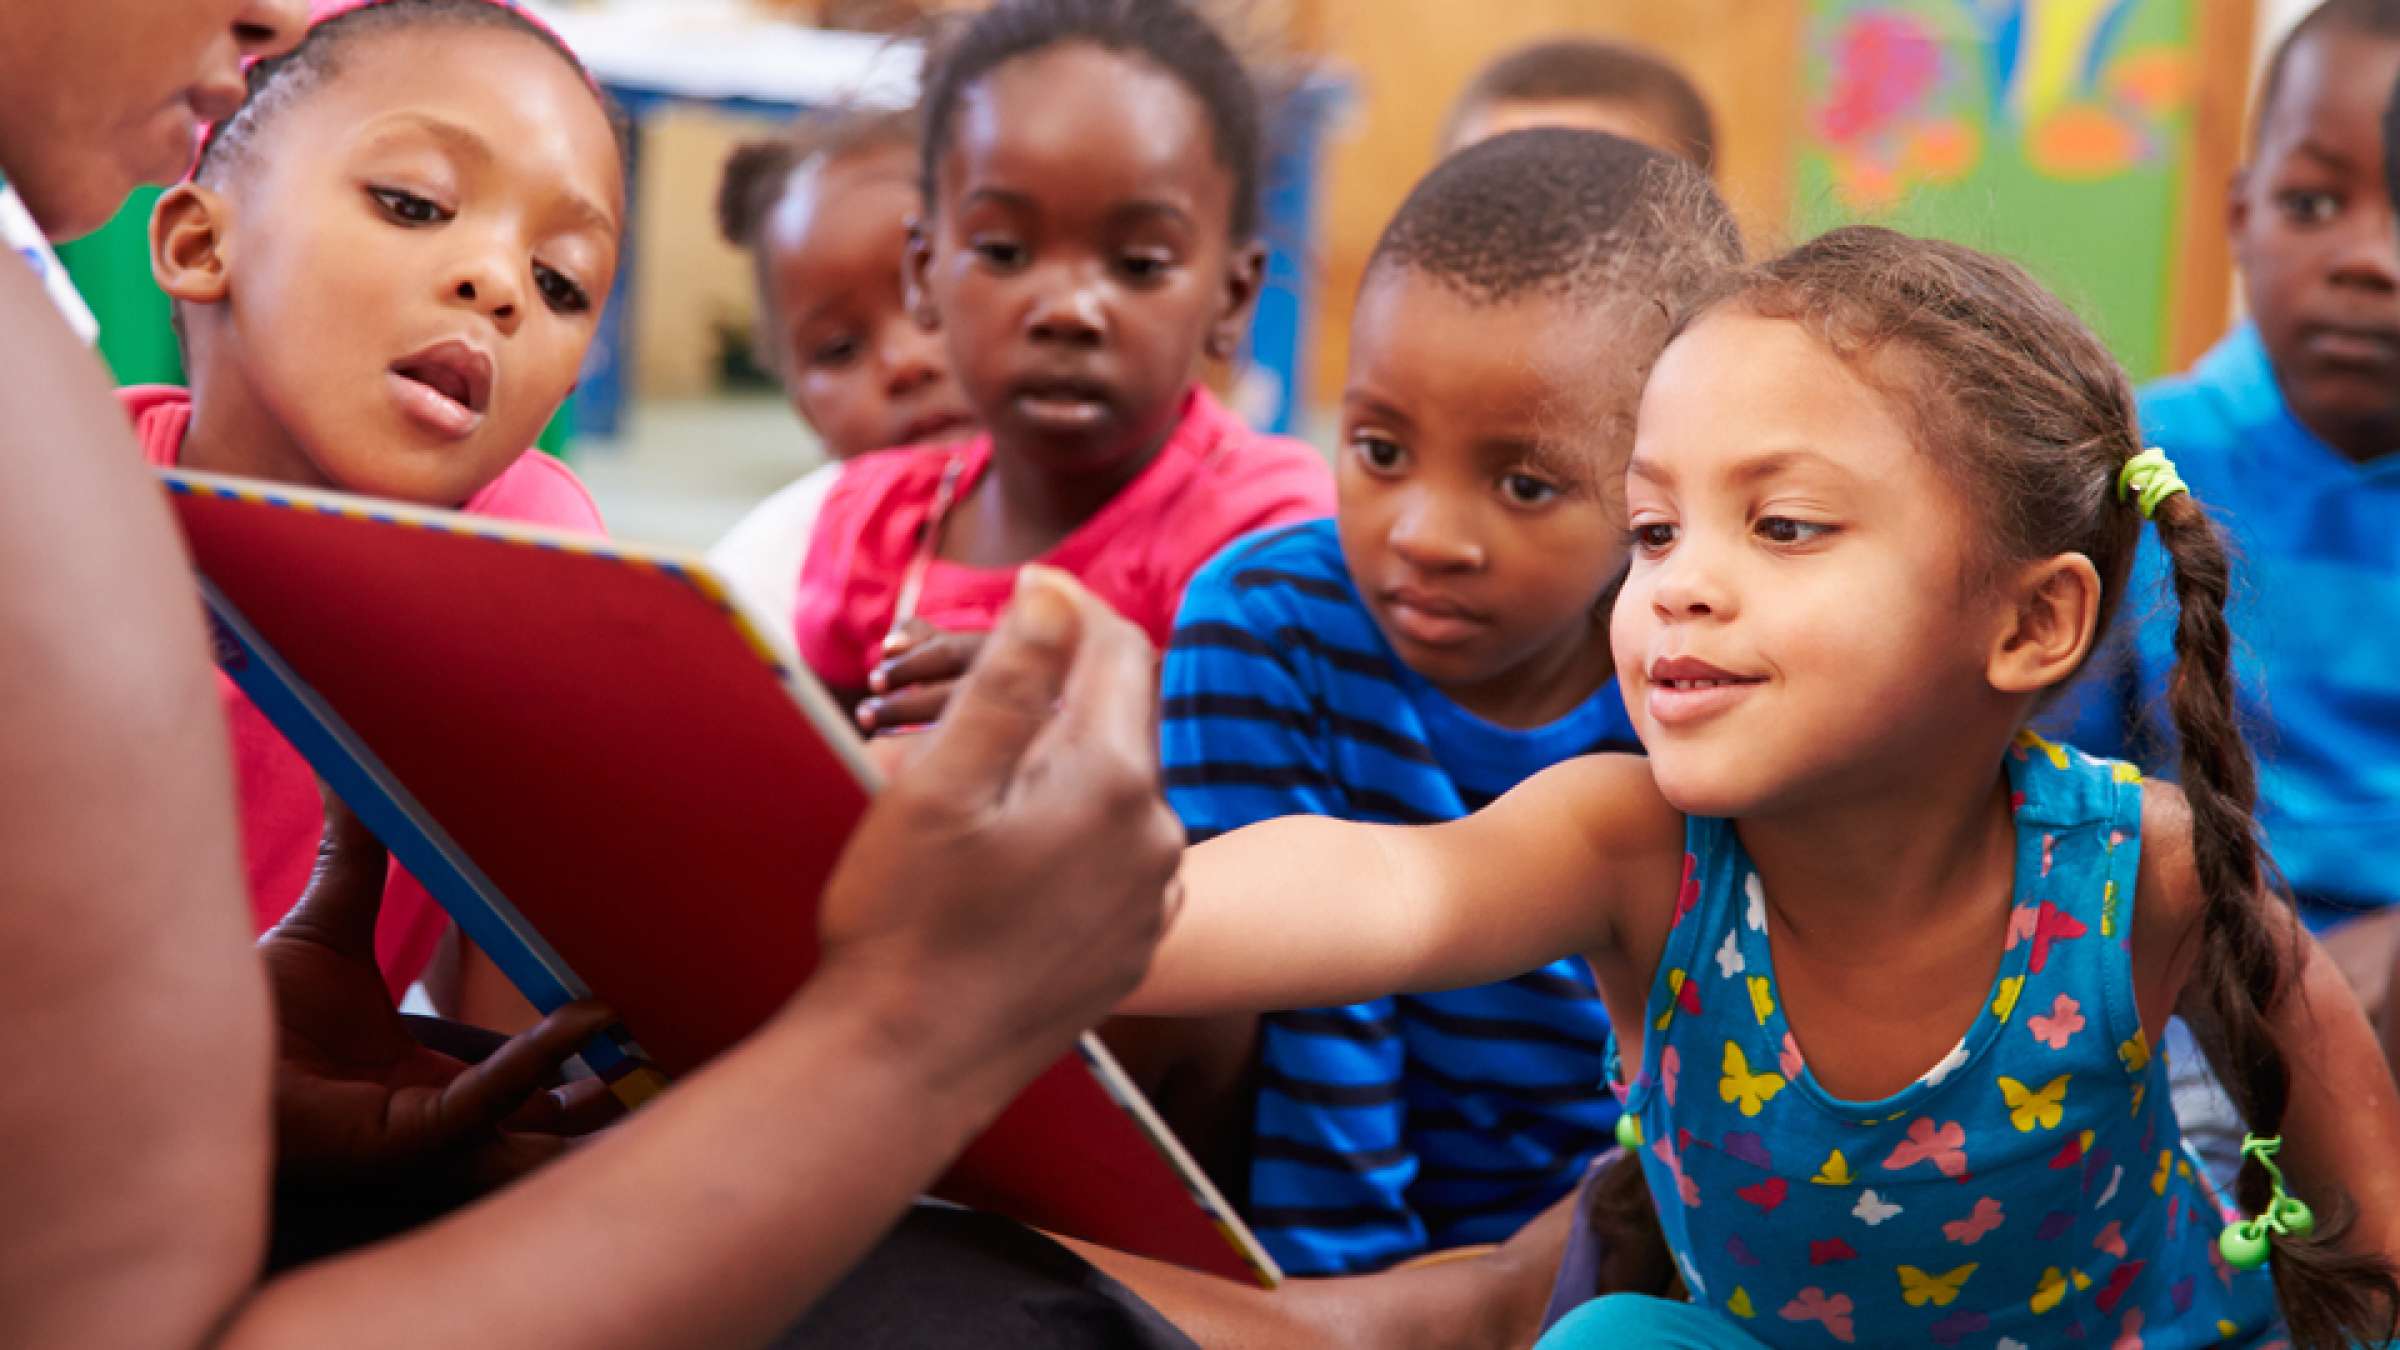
x: 921, y: 665
x: 357, y: 1099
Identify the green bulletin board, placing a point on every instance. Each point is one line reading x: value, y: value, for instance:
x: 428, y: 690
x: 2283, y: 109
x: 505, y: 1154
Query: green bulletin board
x: 2056, y: 132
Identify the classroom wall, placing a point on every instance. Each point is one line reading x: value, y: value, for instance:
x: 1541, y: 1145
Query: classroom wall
x: 688, y: 283
x: 1406, y: 59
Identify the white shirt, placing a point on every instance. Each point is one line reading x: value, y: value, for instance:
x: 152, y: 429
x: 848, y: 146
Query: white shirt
x: 760, y: 556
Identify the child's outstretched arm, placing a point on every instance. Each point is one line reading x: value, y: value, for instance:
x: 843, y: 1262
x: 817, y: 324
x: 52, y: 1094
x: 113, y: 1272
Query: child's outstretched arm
x: 1307, y: 912
x: 2341, y: 1130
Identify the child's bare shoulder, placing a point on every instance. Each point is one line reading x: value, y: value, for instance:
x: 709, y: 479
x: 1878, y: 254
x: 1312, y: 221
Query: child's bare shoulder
x: 1616, y: 799
x: 1633, y: 840
x: 2168, y: 899
x: 2170, y: 895
x: 1608, y: 808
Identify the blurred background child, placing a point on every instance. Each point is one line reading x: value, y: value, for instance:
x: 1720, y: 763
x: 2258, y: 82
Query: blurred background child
x: 824, y: 213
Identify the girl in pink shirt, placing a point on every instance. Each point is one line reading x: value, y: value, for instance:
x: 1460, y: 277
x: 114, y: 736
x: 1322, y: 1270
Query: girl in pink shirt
x: 1091, y: 187
x: 389, y: 293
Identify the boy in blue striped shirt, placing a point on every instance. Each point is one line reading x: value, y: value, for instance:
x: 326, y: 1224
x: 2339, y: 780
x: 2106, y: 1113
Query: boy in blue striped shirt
x: 1443, y: 639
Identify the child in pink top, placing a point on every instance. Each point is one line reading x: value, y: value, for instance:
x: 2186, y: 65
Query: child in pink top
x: 389, y: 293
x: 1091, y: 200
x: 1212, y: 482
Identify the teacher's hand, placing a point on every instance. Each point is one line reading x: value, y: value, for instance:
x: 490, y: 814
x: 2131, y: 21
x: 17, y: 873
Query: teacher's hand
x: 1013, y: 880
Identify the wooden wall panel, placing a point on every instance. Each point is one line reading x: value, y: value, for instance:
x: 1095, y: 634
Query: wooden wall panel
x: 2202, y: 299
x: 1407, y: 59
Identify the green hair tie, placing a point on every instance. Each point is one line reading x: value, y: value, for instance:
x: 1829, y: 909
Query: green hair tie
x: 2245, y: 1242
x: 2149, y: 478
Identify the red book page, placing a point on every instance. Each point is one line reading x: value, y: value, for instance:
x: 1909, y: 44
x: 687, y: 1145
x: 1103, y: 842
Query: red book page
x: 641, y: 779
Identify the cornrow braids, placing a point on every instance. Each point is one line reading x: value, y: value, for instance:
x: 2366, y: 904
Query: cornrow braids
x: 276, y: 85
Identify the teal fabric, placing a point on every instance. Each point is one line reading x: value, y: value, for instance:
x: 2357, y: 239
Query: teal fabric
x: 1622, y: 1321
x: 2031, y: 1187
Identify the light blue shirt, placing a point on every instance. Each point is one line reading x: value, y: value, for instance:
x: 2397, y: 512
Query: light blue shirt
x: 2316, y: 623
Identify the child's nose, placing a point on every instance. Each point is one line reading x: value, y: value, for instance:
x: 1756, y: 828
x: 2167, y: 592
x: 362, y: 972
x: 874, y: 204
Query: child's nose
x: 1684, y: 586
x: 1430, y: 537
x: 2370, y: 256
x: 1069, y: 313
x: 491, y: 291
x: 912, y: 359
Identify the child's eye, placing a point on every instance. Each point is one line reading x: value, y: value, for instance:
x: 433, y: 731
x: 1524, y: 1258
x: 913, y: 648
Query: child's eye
x: 1381, y: 455
x: 408, y: 208
x: 1524, y: 489
x: 839, y: 351
x: 1651, y: 536
x: 559, y: 290
x: 1144, y: 267
x: 1002, y: 253
x: 1785, y: 530
x: 2306, y: 206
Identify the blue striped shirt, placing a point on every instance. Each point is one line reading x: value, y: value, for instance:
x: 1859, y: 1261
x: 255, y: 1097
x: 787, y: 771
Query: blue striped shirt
x: 1390, y: 1128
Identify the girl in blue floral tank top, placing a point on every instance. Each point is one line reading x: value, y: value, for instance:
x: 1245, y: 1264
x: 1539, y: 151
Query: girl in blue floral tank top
x: 2029, y: 1189
x: 1886, y: 970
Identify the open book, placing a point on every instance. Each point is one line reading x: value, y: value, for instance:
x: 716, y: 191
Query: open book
x: 620, y: 784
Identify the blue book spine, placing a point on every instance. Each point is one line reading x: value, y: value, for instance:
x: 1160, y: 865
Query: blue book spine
x: 415, y: 839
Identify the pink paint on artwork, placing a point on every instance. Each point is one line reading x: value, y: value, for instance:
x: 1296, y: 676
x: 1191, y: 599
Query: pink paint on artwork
x: 1884, y: 64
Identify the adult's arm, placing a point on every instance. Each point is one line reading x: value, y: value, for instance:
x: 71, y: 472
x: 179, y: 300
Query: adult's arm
x: 136, y: 1128
x: 972, y: 931
x: 134, y: 1135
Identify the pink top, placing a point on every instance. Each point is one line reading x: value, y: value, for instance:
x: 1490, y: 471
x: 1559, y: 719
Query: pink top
x: 1213, y: 482
x: 281, y: 814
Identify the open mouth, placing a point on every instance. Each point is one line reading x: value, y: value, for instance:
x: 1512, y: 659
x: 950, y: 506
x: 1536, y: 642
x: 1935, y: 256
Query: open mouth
x: 454, y: 370
x: 446, y: 388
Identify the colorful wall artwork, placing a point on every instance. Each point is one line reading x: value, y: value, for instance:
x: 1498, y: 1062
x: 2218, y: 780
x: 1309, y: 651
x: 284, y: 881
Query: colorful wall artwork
x: 2054, y: 131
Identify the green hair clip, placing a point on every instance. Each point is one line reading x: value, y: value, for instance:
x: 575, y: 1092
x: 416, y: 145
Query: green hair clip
x: 2245, y: 1242
x: 2149, y: 478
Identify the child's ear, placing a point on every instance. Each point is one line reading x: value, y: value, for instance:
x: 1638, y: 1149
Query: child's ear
x: 915, y: 266
x: 2053, y: 614
x: 1245, y: 276
x: 188, y: 244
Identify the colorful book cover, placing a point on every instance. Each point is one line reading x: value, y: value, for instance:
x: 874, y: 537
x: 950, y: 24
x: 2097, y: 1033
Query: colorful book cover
x: 617, y: 782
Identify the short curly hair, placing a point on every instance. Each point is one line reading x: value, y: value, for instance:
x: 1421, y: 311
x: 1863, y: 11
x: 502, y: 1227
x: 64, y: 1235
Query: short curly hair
x: 1563, y: 213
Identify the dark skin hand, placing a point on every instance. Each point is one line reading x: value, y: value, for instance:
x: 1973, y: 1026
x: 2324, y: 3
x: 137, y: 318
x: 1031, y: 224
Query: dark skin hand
x: 1195, y: 1071
x: 921, y: 666
x: 357, y: 1099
